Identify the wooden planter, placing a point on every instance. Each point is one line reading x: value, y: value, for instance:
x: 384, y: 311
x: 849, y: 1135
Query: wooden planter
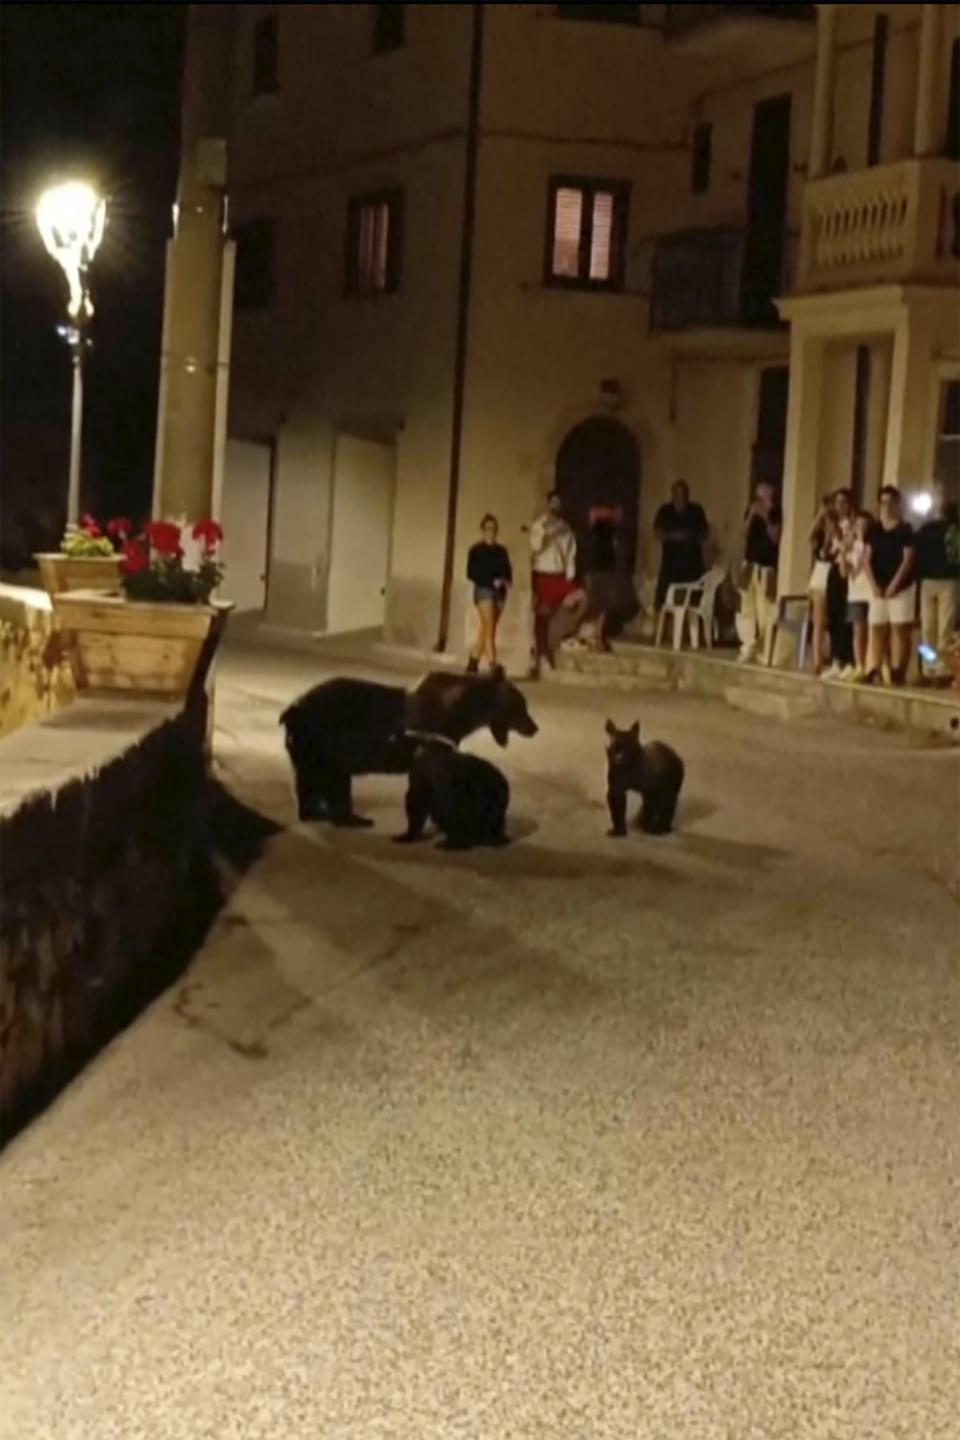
x: 138, y: 647
x: 60, y: 573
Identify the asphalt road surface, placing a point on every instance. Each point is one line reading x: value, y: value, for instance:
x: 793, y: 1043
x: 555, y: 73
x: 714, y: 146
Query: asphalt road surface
x: 574, y: 1140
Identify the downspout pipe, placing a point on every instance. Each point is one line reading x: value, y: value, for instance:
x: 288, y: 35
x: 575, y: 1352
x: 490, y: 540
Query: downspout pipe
x: 463, y: 318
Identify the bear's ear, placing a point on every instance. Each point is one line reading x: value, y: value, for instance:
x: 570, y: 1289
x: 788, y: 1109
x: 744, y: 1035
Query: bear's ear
x: 635, y: 730
x: 611, y: 729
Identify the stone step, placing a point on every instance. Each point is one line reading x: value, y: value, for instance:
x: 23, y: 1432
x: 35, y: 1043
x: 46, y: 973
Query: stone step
x: 780, y: 694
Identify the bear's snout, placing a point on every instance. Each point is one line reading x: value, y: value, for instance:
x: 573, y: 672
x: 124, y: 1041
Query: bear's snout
x: 527, y: 726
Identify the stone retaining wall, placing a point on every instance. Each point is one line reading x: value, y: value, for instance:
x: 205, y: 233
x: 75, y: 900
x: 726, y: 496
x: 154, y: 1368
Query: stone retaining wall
x: 106, y: 887
x: 35, y: 675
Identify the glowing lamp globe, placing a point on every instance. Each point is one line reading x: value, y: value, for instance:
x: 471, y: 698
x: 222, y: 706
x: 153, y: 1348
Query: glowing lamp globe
x: 70, y: 219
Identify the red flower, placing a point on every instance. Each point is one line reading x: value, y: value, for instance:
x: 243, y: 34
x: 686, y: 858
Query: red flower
x: 164, y: 537
x: 209, y: 532
x: 135, y: 557
x: 90, y: 527
x: 119, y: 528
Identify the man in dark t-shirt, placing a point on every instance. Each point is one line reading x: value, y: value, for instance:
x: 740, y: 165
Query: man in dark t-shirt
x: 890, y: 555
x: 681, y: 528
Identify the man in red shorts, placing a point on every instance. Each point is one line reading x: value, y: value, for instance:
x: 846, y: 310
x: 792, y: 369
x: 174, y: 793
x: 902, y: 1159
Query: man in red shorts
x: 560, y: 602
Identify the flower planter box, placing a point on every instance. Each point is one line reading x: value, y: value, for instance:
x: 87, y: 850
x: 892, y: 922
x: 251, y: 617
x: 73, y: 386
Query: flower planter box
x: 60, y: 573
x: 138, y: 647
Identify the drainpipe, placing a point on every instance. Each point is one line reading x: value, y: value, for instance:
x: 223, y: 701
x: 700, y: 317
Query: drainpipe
x: 463, y: 315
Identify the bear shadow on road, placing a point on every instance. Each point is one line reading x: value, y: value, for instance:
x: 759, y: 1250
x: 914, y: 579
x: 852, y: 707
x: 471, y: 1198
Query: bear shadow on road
x: 349, y: 920
x: 517, y: 861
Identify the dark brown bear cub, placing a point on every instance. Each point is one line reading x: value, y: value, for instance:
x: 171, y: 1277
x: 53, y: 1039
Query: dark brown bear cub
x: 464, y: 796
x: 654, y: 771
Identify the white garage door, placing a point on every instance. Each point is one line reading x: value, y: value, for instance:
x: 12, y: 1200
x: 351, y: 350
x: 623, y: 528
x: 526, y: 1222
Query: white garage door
x: 363, y: 478
x: 245, y: 519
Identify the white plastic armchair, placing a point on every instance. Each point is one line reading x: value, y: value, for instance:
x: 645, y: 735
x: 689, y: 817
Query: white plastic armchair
x: 693, y: 601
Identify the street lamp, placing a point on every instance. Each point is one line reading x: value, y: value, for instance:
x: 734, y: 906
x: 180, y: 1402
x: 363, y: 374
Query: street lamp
x: 70, y: 219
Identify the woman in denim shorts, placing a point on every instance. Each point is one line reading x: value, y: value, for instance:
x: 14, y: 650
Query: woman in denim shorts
x: 490, y: 573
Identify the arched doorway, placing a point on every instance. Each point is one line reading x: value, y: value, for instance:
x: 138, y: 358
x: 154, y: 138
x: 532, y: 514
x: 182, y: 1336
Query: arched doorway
x: 598, y: 463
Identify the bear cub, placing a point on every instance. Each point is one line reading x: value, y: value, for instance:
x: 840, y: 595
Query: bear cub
x: 654, y: 771
x: 465, y: 797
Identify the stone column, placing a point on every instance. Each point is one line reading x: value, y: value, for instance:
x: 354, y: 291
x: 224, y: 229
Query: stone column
x: 189, y: 362
x: 821, y: 131
x: 929, y: 116
x: 801, y: 454
x: 908, y: 416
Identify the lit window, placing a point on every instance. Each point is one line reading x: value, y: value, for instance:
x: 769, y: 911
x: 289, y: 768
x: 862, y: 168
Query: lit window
x: 373, y: 244
x: 265, y: 55
x: 253, y: 283
x: 388, y: 28
x: 587, y: 229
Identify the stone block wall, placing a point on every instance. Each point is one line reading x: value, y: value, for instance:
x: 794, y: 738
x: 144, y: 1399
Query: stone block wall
x: 35, y: 675
x: 106, y: 889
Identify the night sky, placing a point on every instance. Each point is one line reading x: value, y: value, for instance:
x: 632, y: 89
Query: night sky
x: 90, y: 90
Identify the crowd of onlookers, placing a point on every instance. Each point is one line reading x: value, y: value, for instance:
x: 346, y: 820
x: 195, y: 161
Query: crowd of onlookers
x: 869, y: 573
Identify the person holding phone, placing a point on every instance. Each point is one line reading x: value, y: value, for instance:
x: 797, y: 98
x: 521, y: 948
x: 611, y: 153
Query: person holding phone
x: 491, y: 575
x: 758, y: 573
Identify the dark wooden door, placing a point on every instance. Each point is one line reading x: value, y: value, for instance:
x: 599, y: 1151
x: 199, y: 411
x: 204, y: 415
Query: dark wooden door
x: 766, y: 210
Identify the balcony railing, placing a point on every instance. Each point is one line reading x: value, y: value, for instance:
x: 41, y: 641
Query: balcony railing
x: 714, y: 29
x: 698, y: 283
x: 682, y: 17
x: 888, y: 224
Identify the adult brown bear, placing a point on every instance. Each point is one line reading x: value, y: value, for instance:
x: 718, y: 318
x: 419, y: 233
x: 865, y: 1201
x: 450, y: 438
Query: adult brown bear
x: 343, y: 728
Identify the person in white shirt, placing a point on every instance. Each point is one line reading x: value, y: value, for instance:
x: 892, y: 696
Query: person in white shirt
x: 560, y: 602
x: 852, y: 562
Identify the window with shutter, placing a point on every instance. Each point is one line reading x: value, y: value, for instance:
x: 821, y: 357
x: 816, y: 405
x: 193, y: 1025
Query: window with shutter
x: 587, y: 222
x: 374, y: 225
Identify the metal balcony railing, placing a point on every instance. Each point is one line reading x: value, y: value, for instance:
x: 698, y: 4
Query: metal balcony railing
x: 698, y: 281
x: 679, y: 18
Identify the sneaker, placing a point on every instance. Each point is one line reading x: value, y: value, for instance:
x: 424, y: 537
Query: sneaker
x: 853, y: 675
x: 833, y: 672
x: 746, y: 657
x: 885, y: 675
x: 473, y: 666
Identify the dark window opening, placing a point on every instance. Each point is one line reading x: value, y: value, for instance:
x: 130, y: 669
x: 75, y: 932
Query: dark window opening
x: 771, y: 426
x: 766, y: 209
x: 266, y: 55
x: 605, y: 14
x: 950, y: 425
x: 253, y: 284
x: 586, y: 233
x: 861, y: 400
x: 952, y: 147
x: 702, y: 155
x: 374, y: 235
x: 388, y: 28
x: 881, y: 27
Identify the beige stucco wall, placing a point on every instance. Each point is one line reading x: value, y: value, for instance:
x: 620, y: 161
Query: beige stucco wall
x: 558, y: 97
x: 854, y: 67
x: 316, y: 361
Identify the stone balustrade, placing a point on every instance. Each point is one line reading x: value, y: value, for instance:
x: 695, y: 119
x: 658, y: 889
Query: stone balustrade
x: 889, y: 224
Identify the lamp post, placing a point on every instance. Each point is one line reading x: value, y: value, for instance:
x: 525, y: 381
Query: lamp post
x: 70, y: 219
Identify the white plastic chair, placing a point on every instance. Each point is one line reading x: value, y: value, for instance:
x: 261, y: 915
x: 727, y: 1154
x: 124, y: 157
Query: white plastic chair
x: 692, y: 600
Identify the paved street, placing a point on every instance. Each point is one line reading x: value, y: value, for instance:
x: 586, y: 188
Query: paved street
x: 577, y: 1140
